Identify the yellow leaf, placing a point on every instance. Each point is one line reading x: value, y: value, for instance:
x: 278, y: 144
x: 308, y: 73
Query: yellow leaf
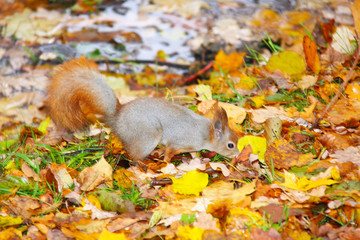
x: 161, y: 55
x: 353, y: 90
x: 304, y: 184
x: 106, y: 235
x: 301, y: 235
x: 10, y: 233
x: 44, y: 124
x: 258, y: 145
x: 335, y: 174
x: 191, y: 183
x: 229, y: 62
x: 93, y: 200
x: 258, y: 101
x: 204, y: 92
x: 189, y: 233
x: 253, y: 219
x: 288, y: 62
x: 243, y: 81
x: 10, y: 221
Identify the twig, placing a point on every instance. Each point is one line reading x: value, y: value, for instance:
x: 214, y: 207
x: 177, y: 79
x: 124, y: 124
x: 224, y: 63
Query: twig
x: 343, y: 85
x: 192, y: 77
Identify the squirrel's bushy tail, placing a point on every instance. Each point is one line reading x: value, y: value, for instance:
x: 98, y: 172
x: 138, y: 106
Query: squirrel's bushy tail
x: 78, y: 93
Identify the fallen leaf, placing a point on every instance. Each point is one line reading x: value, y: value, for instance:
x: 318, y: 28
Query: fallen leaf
x: 307, y: 82
x: 203, y: 91
x: 258, y: 145
x: 225, y: 171
x: 283, y: 155
x: 229, y: 62
x: 291, y: 181
x: 311, y: 55
x: 194, y: 164
x: 355, y: 10
x: 106, y: 235
x: 353, y: 91
x: 273, y: 128
x: 92, y: 176
x: 191, y: 183
x: 288, y: 62
x: 344, y: 40
x: 189, y: 233
x: 205, y: 221
x: 261, y: 115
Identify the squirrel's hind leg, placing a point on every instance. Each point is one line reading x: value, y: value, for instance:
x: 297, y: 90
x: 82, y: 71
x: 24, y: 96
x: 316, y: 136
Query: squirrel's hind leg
x: 144, y: 144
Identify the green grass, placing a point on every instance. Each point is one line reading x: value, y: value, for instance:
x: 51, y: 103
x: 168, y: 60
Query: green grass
x: 297, y: 98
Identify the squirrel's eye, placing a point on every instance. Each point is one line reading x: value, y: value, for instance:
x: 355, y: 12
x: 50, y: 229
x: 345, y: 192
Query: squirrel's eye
x: 230, y: 145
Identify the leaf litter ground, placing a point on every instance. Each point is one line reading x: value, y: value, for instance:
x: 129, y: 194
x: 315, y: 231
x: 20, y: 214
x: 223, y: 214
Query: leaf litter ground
x: 289, y: 84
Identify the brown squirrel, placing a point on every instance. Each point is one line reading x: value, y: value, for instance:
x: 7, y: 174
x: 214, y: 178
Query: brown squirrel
x: 77, y: 90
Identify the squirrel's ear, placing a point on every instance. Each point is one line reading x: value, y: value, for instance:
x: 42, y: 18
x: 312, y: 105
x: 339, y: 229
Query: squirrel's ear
x: 220, y: 122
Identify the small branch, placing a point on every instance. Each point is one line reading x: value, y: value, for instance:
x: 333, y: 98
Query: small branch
x: 343, y: 86
x: 202, y: 71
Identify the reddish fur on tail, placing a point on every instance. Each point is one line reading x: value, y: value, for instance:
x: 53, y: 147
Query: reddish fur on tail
x: 70, y: 98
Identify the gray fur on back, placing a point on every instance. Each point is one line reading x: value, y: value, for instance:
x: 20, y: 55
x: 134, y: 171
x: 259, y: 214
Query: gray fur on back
x: 146, y: 117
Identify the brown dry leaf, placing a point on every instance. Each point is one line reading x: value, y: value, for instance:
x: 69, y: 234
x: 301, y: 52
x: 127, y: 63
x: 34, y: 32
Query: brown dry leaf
x: 79, y: 234
x: 215, y: 165
x: 276, y: 212
x: 206, y: 221
x: 350, y: 154
x: 261, y: 115
x: 121, y: 223
x: 284, y: 155
x: 336, y: 141
x: 221, y: 191
x: 59, y: 176
x: 29, y: 172
x: 344, y: 112
x: 93, y: 176
x: 273, y: 128
x: 355, y: 9
x: 311, y: 55
x: 271, y: 234
x: 307, y: 82
x: 24, y: 206
x: 327, y: 30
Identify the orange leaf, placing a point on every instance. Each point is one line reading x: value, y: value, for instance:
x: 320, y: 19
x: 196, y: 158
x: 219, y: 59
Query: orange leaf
x: 311, y: 55
x: 355, y: 9
x: 232, y: 61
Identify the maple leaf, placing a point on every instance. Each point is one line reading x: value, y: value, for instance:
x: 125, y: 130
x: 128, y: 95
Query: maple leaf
x: 229, y: 62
